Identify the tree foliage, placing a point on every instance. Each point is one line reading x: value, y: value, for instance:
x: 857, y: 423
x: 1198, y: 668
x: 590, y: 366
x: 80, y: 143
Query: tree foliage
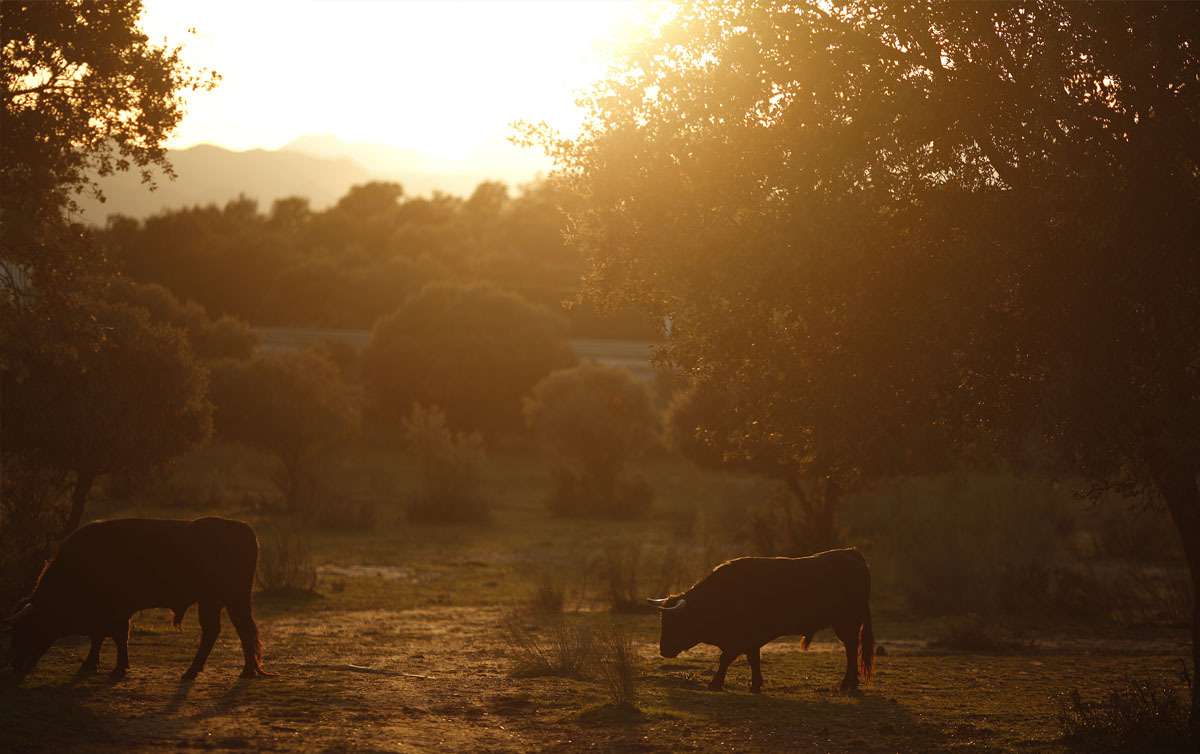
x: 473, y: 351
x: 224, y: 338
x: 132, y: 401
x: 85, y: 93
x: 293, y: 405
x: 895, y: 234
x: 592, y: 420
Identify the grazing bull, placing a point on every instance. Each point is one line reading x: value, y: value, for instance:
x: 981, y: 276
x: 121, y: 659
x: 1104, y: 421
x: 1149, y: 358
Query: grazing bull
x: 747, y: 602
x: 107, y: 571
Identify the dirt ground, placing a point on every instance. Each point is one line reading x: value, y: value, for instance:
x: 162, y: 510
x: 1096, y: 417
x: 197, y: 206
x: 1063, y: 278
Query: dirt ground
x: 404, y: 650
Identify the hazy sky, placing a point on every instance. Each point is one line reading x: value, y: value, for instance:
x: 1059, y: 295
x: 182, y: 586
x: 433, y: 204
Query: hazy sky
x: 444, y: 78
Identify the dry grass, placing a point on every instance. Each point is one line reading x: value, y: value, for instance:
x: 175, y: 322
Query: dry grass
x: 620, y: 667
x: 566, y: 649
x: 285, y: 562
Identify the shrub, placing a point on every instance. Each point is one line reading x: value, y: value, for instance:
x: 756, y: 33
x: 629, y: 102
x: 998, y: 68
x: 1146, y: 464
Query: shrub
x: 1138, y: 717
x: 974, y: 633
x: 566, y: 651
x: 996, y: 542
x: 472, y: 350
x: 285, y: 563
x: 591, y: 421
x: 324, y: 508
x: 619, y: 668
x: 450, y: 469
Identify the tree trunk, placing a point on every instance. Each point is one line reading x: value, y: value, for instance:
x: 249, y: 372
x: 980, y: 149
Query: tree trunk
x: 1183, y: 500
x: 820, y: 512
x: 79, y: 495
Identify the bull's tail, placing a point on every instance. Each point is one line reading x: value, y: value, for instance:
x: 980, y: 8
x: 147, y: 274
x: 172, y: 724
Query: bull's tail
x: 866, y: 647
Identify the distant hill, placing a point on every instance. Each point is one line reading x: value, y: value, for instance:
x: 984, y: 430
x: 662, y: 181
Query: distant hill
x: 422, y: 174
x: 208, y: 174
x: 319, y: 167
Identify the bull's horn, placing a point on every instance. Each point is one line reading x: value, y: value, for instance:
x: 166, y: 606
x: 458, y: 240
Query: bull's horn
x: 657, y: 601
x: 677, y: 606
x: 12, y: 619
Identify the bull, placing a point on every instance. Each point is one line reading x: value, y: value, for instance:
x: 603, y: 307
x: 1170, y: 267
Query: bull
x: 108, y: 570
x: 748, y: 602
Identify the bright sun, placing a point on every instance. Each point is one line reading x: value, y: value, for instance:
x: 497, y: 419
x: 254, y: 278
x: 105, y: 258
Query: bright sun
x: 445, y: 79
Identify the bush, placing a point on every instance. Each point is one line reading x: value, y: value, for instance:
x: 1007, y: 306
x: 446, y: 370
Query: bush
x: 619, y: 668
x: 591, y: 421
x: 567, y: 651
x: 285, y: 563
x: 450, y: 469
x: 475, y: 351
x: 974, y: 633
x: 325, y: 508
x: 972, y: 543
x: 1138, y: 717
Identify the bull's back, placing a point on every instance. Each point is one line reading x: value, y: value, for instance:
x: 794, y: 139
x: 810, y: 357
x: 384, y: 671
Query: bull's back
x: 780, y: 596
x: 140, y: 563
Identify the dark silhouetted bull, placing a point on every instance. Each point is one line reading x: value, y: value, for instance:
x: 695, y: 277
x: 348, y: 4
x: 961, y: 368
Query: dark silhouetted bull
x: 107, y: 571
x: 747, y: 602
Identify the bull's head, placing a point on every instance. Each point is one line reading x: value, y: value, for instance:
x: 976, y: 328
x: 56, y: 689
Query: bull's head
x: 30, y: 638
x: 678, y: 626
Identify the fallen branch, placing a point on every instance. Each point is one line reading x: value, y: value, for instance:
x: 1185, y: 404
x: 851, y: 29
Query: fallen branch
x: 373, y: 671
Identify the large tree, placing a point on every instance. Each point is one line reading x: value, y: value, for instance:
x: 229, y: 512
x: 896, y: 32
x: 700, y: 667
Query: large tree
x: 474, y: 351
x: 894, y: 234
x: 86, y: 387
x: 292, y: 405
x: 131, y: 401
x: 85, y: 94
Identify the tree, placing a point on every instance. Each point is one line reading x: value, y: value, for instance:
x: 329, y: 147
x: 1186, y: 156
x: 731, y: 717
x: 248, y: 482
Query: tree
x: 473, y: 351
x: 132, y: 401
x: 224, y: 338
x: 85, y: 94
x: 291, y: 404
x: 898, y: 235
x: 592, y: 420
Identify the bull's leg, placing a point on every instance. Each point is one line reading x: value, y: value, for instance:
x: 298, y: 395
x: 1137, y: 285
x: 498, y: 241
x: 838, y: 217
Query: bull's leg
x: 210, y: 629
x: 247, y: 630
x: 120, y: 635
x: 93, y: 659
x: 756, y: 679
x: 848, y: 633
x: 718, y: 681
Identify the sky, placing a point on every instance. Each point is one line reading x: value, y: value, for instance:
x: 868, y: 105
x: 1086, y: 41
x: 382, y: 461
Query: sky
x: 445, y: 79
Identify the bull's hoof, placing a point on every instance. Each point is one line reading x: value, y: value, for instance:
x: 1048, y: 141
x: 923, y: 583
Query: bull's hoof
x: 756, y: 689
x: 116, y: 674
x: 715, y: 686
x: 190, y: 674
x: 849, y: 689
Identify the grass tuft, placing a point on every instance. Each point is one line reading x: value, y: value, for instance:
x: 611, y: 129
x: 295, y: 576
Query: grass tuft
x: 566, y: 651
